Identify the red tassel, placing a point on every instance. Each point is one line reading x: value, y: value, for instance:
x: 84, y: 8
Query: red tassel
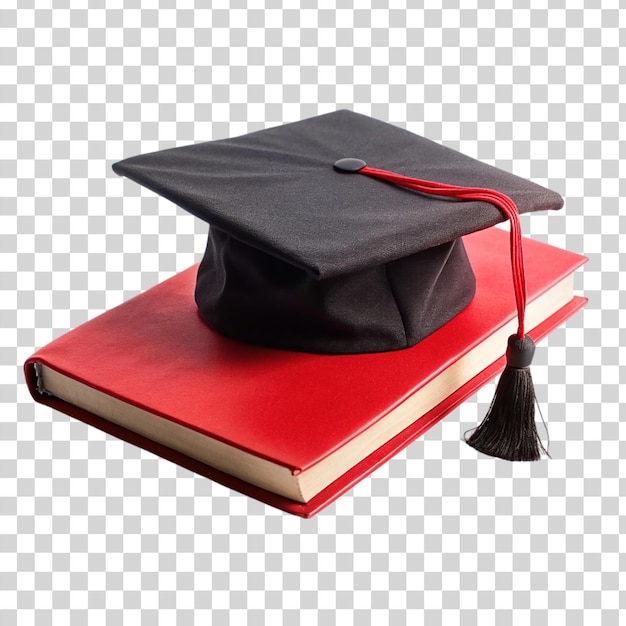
x: 508, y: 430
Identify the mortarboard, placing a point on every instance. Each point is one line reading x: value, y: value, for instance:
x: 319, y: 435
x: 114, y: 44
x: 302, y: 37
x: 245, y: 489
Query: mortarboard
x: 305, y: 253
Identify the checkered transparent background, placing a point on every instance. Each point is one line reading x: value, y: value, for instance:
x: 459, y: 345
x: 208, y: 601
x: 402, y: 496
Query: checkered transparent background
x: 93, y: 530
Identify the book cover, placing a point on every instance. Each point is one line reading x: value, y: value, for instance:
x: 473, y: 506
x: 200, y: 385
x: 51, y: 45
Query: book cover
x: 296, y: 410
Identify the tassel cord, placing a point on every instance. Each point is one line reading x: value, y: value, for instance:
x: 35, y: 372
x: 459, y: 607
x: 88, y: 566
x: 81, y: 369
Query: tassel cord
x: 508, y: 431
x: 501, y: 200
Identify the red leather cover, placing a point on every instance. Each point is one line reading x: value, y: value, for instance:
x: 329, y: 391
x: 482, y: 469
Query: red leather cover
x: 291, y: 408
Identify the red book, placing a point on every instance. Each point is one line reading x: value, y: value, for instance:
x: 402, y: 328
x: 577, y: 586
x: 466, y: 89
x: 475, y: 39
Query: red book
x: 294, y: 430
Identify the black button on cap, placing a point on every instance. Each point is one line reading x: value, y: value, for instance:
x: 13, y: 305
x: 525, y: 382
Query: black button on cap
x: 349, y: 165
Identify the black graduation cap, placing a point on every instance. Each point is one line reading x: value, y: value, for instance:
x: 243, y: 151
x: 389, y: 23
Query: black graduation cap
x: 305, y: 254
x: 305, y: 257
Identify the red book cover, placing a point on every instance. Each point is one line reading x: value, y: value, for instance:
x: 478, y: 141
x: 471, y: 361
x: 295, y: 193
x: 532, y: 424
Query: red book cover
x: 293, y: 409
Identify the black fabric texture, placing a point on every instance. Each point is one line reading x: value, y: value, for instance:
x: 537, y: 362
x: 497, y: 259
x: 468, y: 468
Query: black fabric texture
x: 277, y: 190
x: 252, y: 296
x: 303, y: 257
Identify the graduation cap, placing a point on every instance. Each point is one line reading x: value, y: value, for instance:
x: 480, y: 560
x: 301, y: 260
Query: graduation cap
x: 341, y: 234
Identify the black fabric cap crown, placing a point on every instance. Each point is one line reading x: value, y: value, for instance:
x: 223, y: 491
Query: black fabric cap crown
x: 303, y: 257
